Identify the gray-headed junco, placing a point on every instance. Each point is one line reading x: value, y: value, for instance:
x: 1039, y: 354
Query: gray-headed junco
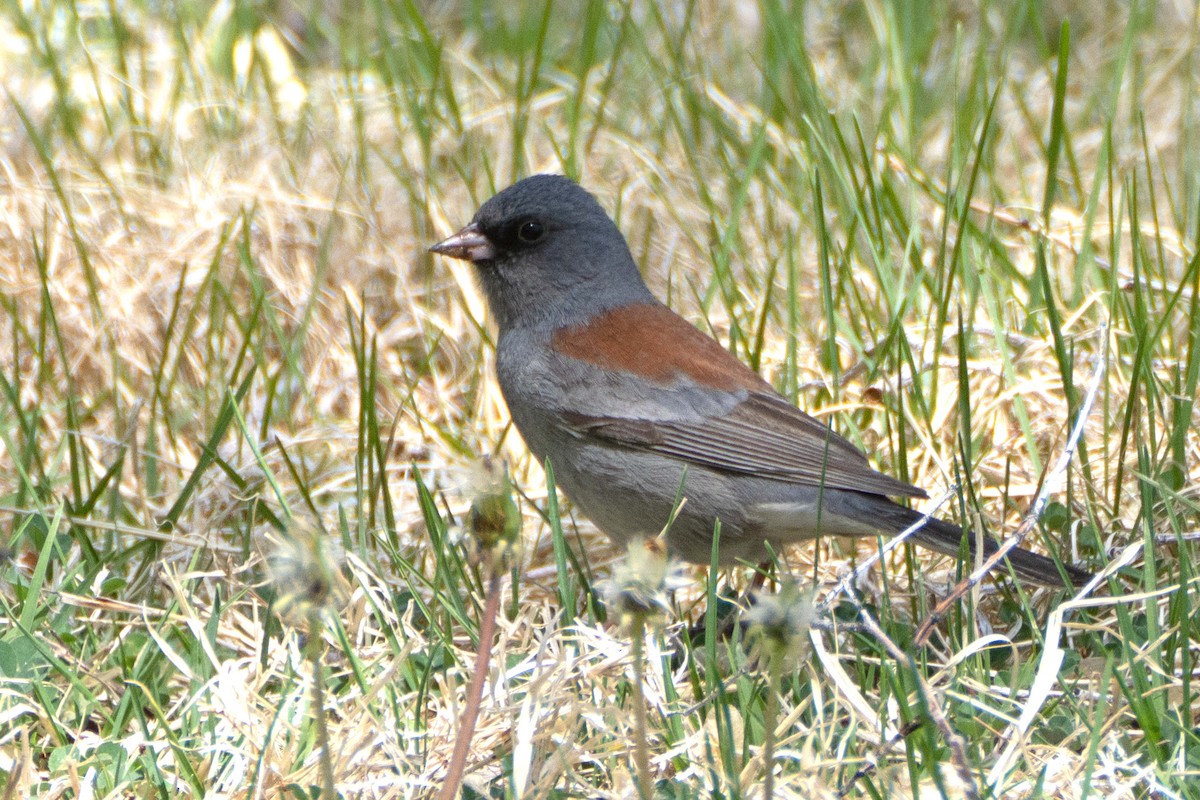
x: 633, y: 406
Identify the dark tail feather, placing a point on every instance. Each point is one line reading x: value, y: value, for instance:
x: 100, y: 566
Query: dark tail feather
x: 947, y: 538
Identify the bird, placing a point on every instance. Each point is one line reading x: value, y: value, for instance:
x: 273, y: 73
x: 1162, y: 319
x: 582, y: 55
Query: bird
x: 634, y: 407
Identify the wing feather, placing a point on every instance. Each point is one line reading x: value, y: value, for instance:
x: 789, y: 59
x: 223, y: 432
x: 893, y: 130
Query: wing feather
x: 763, y: 435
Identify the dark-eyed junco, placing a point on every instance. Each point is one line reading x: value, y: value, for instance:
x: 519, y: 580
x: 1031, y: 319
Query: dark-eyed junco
x: 634, y: 407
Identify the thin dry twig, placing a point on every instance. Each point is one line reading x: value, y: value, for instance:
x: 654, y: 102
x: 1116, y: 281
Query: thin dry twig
x: 847, y: 583
x: 912, y: 727
x: 1051, y: 661
x: 1035, y: 511
x: 954, y: 740
x: 487, y: 631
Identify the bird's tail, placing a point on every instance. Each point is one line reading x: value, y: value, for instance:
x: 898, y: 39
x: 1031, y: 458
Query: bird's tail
x: 946, y: 537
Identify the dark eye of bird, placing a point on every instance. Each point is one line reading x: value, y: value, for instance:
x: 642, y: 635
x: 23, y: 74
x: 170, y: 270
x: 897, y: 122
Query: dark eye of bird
x: 530, y: 232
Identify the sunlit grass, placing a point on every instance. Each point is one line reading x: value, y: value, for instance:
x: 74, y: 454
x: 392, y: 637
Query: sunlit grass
x: 929, y: 225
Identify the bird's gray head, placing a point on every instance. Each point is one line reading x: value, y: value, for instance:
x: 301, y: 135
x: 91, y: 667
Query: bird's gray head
x: 547, y: 254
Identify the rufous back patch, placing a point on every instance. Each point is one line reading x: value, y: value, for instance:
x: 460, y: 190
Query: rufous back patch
x: 657, y: 344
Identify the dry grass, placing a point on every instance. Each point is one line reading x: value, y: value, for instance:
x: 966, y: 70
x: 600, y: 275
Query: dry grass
x: 182, y: 223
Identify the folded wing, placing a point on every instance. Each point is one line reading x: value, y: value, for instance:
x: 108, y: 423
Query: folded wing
x: 764, y: 435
